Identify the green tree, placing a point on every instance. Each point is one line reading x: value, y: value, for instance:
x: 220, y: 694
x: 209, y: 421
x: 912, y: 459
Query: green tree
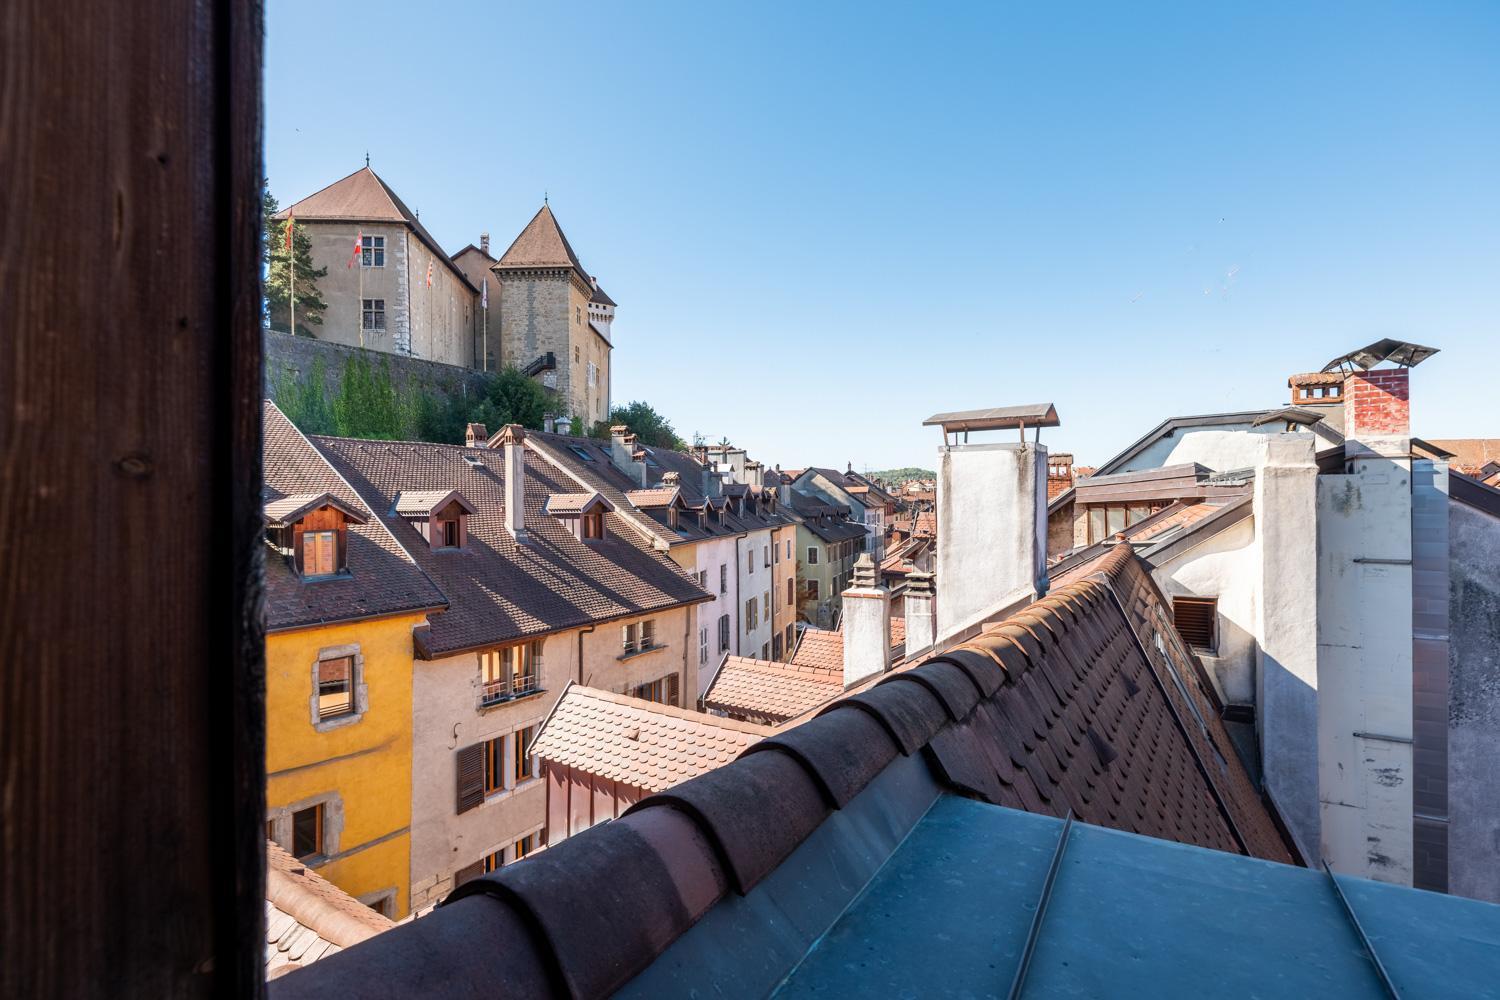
x: 278, y: 264
x: 648, y: 426
x: 511, y: 398
x: 304, y: 401
x: 367, y: 405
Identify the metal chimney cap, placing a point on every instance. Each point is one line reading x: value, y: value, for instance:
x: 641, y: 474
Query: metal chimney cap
x: 1402, y: 352
x: 995, y: 418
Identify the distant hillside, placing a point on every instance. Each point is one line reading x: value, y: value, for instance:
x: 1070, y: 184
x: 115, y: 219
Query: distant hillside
x: 894, y: 476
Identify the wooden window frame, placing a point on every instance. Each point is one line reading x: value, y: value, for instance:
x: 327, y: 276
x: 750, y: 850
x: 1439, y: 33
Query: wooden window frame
x: 349, y: 706
x: 319, y: 814
x: 494, y: 765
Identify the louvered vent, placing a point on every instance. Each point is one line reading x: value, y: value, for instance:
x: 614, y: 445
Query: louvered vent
x: 1196, y: 619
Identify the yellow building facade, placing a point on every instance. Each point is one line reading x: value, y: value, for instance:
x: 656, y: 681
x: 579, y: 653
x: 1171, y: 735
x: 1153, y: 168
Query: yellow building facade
x: 344, y: 781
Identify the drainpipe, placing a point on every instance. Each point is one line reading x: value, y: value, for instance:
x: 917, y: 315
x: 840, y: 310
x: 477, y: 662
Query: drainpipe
x: 739, y: 606
x: 581, y: 633
x: 688, y: 615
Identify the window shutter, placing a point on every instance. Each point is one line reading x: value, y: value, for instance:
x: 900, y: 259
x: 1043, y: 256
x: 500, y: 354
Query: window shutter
x: 1195, y: 619
x: 672, y: 691
x: 470, y: 776
x: 468, y: 873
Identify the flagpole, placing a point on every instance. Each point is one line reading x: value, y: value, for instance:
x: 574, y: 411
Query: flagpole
x: 360, y: 255
x: 292, y: 263
x: 484, y: 343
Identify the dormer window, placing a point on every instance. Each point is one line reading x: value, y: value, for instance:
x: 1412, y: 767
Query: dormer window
x: 311, y: 531
x: 593, y: 526
x: 440, y: 516
x: 581, y: 513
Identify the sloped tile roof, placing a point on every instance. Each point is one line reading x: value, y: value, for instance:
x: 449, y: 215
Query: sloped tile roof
x: 1083, y: 702
x: 638, y: 743
x: 772, y: 692
x: 541, y: 244
x: 308, y: 917
x: 498, y: 589
x: 383, y: 577
x: 566, y: 503
x: 420, y: 503
x: 364, y: 197
x: 821, y: 649
x: 1184, y: 516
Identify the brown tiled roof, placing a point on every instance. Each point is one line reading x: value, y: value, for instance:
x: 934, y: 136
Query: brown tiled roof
x: 572, y: 503
x: 420, y: 503
x: 649, y: 499
x: 1470, y: 455
x: 1316, y: 378
x: 601, y: 297
x: 308, y: 917
x: 364, y: 197
x: 639, y: 743
x: 293, y: 507
x: 771, y: 692
x: 383, y: 577
x: 541, y: 244
x: 1185, y: 515
x: 498, y: 589
x: 1067, y: 706
x: 820, y: 648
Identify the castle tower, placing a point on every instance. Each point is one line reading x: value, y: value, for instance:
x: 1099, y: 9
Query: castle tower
x: 550, y: 304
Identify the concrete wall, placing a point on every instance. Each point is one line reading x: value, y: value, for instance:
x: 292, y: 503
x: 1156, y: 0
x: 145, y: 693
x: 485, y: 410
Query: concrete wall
x: 992, y: 505
x: 1225, y: 566
x: 446, y: 716
x: 1288, y: 614
x: 360, y: 769
x: 1474, y: 703
x: 1364, y: 675
x: 755, y: 581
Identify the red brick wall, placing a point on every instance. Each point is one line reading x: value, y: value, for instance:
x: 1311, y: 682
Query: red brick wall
x: 1377, y: 402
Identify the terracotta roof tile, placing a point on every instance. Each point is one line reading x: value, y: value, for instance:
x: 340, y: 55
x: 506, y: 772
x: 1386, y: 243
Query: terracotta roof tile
x: 639, y: 743
x: 383, y: 577
x: 308, y: 917
x: 500, y: 589
x: 771, y: 692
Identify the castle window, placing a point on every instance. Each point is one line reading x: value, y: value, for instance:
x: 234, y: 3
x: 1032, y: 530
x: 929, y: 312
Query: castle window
x: 372, y: 251
x: 374, y: 314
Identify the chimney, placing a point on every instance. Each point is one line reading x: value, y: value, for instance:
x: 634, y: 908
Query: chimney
x: 512, y: 438
x: 671, y: 479
x: 992, y: 504
x: 484, y: 244
x: 867, y: 624
x: 1059, y: 475
x: 1377, y: 404
x: 628, y: 456
x: 920, y: 625
x: 475, y: 436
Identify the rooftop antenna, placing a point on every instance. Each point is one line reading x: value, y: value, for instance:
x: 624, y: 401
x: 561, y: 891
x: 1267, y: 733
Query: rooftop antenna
x: 367, y: 158
x: 544, y: 196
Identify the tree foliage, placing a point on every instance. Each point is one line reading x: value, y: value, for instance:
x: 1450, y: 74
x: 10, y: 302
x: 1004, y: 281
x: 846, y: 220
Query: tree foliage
x: 278, y: 264
x: 512, y: 398
x: 647, y: 425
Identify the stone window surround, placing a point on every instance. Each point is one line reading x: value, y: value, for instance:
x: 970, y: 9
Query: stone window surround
x: 361, y: 689
x: 378, y: 899
x: 279, y: 818
x: 509, y: 763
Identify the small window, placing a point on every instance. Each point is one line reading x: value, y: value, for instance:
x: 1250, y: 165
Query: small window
x: 1334, y: 391
x: 593, y: 526
x: 307, y: 831
x: 509, y: 672
x: 1114, y: 520
x: 335, y: 687
x: 723, y: 633
x: 320, y: 553
x: 450, y: 534
x: 372, y: 252
x: 575, y: 355
x: 630, y: 639
x: 791, y: 591
x: 767, y: 555
x: 493, y: 862
x: 522, y: 847
x: 812, y: 555
x: 765, y: 651
x: 1197, y: 619
x: 812, y: 590
x: 523, y: 762
x: 791, y: 637
x: 749, y: 562
x: 581, y: 452
x: 723, y: 578
x: 789, y: 548
x: 374, y: 314
x: 702, y: 647
x: 494, y: 765
x: 648, y: 634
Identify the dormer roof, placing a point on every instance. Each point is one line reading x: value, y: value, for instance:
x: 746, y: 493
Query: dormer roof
x: 653, y: 499
x: 294, y: 507
x: 421, y: 503
x: 574, y: 504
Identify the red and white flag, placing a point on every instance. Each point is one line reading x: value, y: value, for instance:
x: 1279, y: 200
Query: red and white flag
x: 290, y: 222
x: 484, y: 294
x: 429, y: 274
x: 359, y: 240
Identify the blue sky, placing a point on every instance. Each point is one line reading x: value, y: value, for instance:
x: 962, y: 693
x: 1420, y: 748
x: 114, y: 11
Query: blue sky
x: 824, y: 223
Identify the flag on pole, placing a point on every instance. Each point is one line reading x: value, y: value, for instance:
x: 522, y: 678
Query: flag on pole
x: 359, y: 240
x: 429, y: 274
x: 484, y: 294
x: 290, y: 222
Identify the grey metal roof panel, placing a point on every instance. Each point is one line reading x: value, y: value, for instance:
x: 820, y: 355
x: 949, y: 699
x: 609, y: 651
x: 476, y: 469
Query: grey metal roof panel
x: 1402, y: 352
x: 996, y: 417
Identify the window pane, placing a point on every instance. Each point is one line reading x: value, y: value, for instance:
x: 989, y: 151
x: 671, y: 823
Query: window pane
x: 307, y: 831
x: 1114, y: 520
x: 335, y: 687
x: 494, y: 765
x: 1096, y: 524
x: 1137, y: 512
x: 523, y: 753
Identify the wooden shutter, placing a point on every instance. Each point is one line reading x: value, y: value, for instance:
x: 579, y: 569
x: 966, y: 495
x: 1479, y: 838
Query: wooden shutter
x: 468, y: 873
x: 470, y: 776
x: 1196, y: 618
x: 673, y: 690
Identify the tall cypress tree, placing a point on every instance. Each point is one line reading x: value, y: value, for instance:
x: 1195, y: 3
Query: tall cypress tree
x: 278, y: 269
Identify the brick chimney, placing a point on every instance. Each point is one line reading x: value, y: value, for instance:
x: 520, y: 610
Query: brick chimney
x: 512, y: 438
x: 1377, y: 403
x: 1059, y: 475
x: 475, y: 436
x: 920, y: 624
x: 484, y: 243
x: 867, y: 624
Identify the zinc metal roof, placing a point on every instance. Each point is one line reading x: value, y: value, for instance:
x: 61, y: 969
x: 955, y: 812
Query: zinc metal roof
x: 996, y: 417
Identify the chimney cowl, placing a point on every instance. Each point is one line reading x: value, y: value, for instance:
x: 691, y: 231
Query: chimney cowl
x: 475, y: 436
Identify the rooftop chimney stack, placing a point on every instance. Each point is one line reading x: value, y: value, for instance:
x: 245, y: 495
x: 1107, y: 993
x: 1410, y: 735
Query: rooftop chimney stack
x: 475, y: 436
x: 921, y: 630
x: 867, y: 624
x: 992, y: 505
x: 1378, y: 403
x: 512, y: 438
x: 484, y: 244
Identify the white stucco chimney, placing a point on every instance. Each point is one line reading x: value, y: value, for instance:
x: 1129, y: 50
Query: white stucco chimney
x: 484, y: 243
x: 867, y: 624
x: 476, y: 436
x: 512, y: 438
x: 991, y: 515
x: 921, y: 624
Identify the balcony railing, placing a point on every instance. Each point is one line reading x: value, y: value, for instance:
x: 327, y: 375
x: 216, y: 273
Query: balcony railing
x: 495, y: 692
